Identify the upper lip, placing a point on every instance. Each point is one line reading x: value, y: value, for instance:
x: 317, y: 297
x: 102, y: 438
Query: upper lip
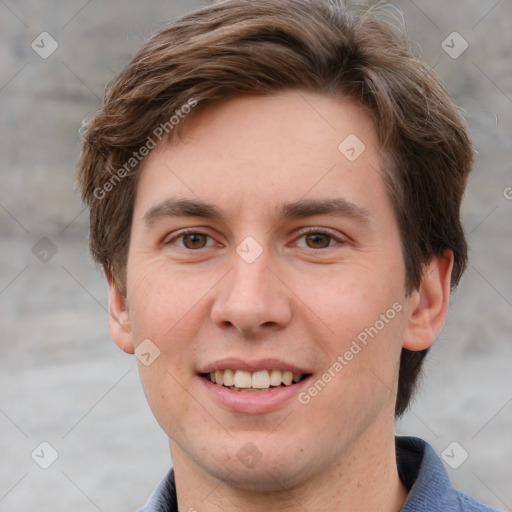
x: 255, y: 365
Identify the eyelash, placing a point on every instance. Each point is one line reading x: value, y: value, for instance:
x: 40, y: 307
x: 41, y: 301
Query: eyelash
x: 306, y: 232
x: 185, y: 232
x: 314, y: 231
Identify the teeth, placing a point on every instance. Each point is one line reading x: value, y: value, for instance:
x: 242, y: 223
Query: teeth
x: 242, y: 379
x: 261, y: 380
x: 287, y: 378
x: 275, y: 377
x: 253, y: 381
x: 229, y: 378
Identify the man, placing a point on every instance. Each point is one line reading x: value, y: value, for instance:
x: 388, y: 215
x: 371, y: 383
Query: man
x: 274, y: 192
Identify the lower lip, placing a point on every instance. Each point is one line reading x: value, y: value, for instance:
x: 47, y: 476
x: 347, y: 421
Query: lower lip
x: 253, y: 403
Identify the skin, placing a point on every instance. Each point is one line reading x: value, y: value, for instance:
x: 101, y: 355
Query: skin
x: 302, y: 301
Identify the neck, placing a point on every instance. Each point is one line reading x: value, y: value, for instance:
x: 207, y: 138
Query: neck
x: 366, y: 479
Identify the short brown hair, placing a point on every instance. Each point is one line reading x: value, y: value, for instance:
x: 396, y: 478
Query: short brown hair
x: 236, y: 47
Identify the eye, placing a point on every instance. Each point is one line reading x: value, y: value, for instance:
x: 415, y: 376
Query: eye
x: 191, y: 240
x: 317, y: 240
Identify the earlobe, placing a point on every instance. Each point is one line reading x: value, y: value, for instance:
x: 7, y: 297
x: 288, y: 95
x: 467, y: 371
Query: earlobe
x: 119, y: 319
x: 429, y: 304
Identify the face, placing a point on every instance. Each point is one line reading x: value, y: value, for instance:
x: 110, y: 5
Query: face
x: 266, y: 257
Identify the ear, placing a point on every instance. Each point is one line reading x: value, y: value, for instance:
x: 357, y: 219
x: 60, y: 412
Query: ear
x: 119, y: 318
x: 429, y: 304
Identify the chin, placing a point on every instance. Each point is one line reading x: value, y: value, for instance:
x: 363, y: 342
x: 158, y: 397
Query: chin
x: 261, y: 480
x: 273, y: 469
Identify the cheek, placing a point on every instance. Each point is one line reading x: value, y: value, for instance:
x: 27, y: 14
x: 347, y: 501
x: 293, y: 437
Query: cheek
x: 352, y: 298
x: 163, y: 307
x: 161, y: 300
x: 163, y: 386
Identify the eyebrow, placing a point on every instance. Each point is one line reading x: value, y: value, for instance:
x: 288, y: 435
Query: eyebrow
x: 292, y: 210
x: 336, y: 206
x: 182, y: 208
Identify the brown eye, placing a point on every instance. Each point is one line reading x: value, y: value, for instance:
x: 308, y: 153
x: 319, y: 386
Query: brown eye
x: 194, y: 241
x: 318, y: 240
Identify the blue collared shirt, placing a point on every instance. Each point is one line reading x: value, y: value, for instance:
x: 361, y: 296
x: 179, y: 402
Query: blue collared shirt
x: 419, y: 467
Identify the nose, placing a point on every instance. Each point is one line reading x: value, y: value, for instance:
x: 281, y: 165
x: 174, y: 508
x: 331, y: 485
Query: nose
x: 252, y: 299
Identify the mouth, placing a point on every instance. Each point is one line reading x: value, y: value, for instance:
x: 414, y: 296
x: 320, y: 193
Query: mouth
x: 254, y: 382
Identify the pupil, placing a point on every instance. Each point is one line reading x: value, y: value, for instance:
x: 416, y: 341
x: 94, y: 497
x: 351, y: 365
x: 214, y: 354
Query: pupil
x: 194, y: 241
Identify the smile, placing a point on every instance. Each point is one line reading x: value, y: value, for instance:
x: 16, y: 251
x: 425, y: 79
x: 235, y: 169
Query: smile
x: 252, y: 382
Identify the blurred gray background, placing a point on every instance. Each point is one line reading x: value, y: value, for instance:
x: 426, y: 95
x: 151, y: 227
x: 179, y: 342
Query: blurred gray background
x: 62, y: 381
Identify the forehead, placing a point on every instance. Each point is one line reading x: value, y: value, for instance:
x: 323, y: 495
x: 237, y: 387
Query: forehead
x: 267, y: 151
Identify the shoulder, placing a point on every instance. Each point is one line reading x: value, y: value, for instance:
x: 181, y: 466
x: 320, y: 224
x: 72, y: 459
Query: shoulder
x: 423, y: 473
x: 466, y: 503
